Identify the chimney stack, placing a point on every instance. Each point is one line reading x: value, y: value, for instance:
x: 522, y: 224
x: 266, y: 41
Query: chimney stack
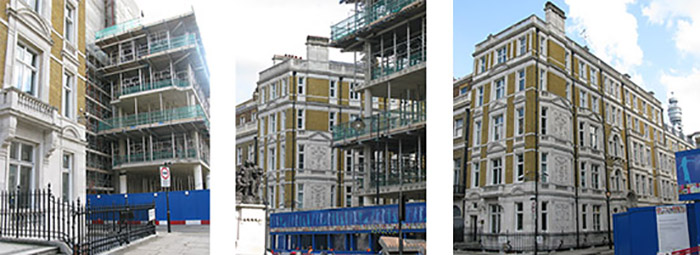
x: 555, y: 18
x: 317, y: 48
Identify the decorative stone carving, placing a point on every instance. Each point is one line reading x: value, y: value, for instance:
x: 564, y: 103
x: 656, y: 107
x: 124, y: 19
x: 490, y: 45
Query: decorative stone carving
x: 319, y: 157
x: 318, y: 197
x: 562, y: 216
x: 248, y: 180
x: 561, y: 170
x: 561, y: 126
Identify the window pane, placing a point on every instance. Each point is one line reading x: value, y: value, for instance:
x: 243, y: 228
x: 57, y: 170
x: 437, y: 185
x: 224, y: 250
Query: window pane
x: 66, y: 185
x: 14, y: 150
x: 66, y: 161
x: 12, y: 184
x: 27, y: 153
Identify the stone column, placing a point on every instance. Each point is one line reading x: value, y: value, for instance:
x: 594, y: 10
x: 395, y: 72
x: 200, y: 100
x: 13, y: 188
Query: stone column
x: 122, y: 183
x: 198, y: 182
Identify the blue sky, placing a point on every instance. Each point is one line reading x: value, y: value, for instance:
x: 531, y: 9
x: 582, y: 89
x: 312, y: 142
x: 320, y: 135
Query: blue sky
x: 656, y: 41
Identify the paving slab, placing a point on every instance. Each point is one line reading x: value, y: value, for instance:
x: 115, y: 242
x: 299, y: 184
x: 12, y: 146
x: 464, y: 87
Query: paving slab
x: 183, y: 240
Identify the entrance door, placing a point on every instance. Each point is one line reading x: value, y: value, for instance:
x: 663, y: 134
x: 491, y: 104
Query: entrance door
x: 473, y: 223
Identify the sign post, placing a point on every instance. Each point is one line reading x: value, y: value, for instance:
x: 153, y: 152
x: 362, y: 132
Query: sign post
x: 165, y: 183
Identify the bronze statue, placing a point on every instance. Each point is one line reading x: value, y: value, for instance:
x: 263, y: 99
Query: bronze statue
x: 248, y: 180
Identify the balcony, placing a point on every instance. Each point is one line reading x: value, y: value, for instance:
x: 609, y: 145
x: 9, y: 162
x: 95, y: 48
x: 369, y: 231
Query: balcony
x: 118, y: 160
x: 152, y: 86
x: 117, y: 29
x: 409, y: 176
x: 147, y: 49
x: 401, y: 63
x: 378, y: 10
x: 155, y: 117
x: 27, y: 106
x: 383, y: 122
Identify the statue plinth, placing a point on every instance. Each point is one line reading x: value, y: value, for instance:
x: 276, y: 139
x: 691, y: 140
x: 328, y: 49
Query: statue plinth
x: 251, y: 221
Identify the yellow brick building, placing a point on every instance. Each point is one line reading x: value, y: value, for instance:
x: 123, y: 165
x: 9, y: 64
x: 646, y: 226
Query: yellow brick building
x: 42, y: 96
x: 546, y: 132
x: 295, y: 107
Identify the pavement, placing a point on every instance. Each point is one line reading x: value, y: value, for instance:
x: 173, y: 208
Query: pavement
x: 587, y: 251
x: 7, y: 248
x: 183, y: 240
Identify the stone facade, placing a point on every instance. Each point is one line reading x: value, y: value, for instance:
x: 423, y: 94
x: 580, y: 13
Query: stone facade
x: 42, y: 59
x: 539, y: 108
x: 293, y: 111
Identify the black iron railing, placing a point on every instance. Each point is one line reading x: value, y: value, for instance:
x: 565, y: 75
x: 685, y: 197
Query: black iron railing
x: 40, y: 216
x: 519, y: 242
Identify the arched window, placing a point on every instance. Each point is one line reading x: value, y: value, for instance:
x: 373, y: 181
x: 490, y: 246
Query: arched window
x: 456, y: 212
x: 617, y: 148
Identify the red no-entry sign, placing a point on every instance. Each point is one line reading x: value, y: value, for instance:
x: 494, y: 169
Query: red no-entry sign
x: 165, y: 176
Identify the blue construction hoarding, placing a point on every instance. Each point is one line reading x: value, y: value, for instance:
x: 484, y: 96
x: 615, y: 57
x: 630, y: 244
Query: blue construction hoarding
x: 185, y: 206
x: 688, y: 174
x: 352, y: 216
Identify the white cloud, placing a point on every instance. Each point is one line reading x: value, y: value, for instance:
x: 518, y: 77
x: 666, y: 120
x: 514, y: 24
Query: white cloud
x: 686, y: 89
x: 684, y: 15
x: 265, y: 28
x: 610, y: 32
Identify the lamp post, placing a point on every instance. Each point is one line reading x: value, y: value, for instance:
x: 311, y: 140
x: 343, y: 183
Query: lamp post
x: 607, y: 200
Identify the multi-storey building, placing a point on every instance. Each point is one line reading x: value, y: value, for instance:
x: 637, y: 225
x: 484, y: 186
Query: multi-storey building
x: 42, y: 102
x: 390, y: 37
x: 100, y: 15
x: 556, y: 139
x: 299, y: 102
x: 246, y: 131
x: 158, y: 84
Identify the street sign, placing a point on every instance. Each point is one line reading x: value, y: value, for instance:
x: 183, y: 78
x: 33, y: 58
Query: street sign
x: 165, y: 176
x: 151, y: 214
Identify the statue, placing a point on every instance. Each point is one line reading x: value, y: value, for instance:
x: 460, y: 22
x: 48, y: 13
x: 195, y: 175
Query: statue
x: 248, y: 180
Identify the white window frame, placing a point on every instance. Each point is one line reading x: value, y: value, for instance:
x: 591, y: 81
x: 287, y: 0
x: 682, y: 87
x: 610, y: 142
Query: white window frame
x: 239, y: 156
x: 475, y: 174
x: 300, y: 195
x: 300, y: 157
x: 544, y: 209
x: 68, y: 96
x: 23, y: 66
x: 19, y: 163
x: 331, y: 121
x: 519, y: 209
x: 332, y: 84
x: 67, y: 174
x: 582, y: 174
x: 69, y: 28
x: 301, y: 119
x: 543, y: 166
x: 595, y: 176
x: 543, y: 120
x: 521, y: 79
x: 519, y: 167
x: 301, y: 85
x: 519, y: 120
x: 458, y: 128
x: 354, y: 95
x: 522, y: 45
x: 480, y: 96
x: 477, y: 132
x: 501, y: 55
x: 499, y: 88
x: 498, y: 131
x: 482, y: 64
x: 496, y: 172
